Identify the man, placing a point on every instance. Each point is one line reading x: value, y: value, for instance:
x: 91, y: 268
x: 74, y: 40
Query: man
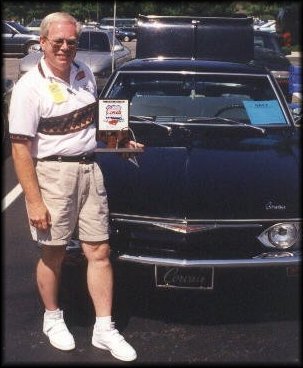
x: 53, y: 136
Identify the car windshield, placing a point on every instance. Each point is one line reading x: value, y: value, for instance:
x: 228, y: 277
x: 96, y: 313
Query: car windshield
x: 19, y: 27
x: 94, y: 41
x: 194, y: 98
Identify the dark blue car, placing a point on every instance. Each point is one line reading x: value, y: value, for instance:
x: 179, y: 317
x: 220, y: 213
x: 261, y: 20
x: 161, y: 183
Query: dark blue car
x: 216, y: 189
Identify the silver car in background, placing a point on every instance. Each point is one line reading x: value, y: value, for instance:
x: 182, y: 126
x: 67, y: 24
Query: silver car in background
x: 98, y: 49
x: 34, y: 26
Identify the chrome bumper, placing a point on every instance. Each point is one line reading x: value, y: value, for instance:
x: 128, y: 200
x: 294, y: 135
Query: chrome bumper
x: 277, y: 259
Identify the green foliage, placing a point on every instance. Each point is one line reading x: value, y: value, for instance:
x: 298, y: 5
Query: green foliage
x: 27, y: 10
x: 94, y: 10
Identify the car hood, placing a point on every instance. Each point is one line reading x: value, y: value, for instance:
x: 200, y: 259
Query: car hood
x: 96, y: 61
x: 251, y: 178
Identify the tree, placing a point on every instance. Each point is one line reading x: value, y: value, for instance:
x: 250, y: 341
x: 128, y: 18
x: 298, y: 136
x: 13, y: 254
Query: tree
x: 97, y: 9
x: 28, y: 10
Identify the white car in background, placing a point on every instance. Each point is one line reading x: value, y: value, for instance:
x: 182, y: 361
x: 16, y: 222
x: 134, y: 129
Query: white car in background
x: 96, y: 49
x: 269, y: 26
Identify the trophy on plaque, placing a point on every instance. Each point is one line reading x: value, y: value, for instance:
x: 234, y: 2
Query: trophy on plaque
x: 113, y: 126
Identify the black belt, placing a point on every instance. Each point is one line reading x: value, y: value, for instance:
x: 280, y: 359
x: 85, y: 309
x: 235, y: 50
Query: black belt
x: 82, y: 159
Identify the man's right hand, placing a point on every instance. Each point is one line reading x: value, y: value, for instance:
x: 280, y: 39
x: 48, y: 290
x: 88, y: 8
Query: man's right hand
x: 39, y: 216
x: 38, y: 213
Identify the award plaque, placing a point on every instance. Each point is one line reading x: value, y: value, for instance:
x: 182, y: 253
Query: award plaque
x: 113, y: 125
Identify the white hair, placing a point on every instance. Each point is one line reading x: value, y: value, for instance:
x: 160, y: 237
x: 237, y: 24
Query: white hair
x: 57, y: 17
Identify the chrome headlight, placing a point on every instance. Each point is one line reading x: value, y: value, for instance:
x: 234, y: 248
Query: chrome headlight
x: 281, y: 236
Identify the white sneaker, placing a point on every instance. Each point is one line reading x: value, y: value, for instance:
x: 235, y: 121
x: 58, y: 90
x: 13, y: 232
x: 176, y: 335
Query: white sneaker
x: 55, y: 328
x: 114, y: 342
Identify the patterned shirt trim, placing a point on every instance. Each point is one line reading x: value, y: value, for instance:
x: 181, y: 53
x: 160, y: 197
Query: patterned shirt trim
x: 20, y: 137
x: 69, y: 123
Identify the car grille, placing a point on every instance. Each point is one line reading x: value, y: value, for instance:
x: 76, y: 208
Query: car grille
x: 215, y: 239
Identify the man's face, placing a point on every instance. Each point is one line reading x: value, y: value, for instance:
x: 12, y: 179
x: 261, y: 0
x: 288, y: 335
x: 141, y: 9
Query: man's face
x: 60, y: 45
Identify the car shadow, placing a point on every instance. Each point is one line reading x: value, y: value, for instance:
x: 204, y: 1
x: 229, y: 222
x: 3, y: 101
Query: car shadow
x: 229, y: 304
x: 236, y: 301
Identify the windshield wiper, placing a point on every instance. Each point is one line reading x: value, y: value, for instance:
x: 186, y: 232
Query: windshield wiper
x: 203, y: 119
x: 149, y: 120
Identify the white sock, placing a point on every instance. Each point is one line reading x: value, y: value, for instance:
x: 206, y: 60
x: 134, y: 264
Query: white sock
x: 51, y: 313
x: 104, y: 323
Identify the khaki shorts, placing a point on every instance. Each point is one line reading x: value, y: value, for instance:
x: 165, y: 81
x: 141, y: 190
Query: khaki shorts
x: 76, y: 198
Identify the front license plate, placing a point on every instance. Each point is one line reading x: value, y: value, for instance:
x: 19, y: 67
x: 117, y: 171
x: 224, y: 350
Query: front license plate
x: 185, y: 277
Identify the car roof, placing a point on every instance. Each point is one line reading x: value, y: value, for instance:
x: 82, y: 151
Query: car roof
x: 95, y: 29
x: 191, y: 65
x: 88, y: 29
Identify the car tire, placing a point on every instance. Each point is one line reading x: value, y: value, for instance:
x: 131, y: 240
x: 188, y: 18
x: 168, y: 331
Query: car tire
x: 126, y: 39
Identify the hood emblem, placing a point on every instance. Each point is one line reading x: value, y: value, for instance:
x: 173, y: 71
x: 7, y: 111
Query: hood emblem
x: 184, y: 228
x: 271, y: 206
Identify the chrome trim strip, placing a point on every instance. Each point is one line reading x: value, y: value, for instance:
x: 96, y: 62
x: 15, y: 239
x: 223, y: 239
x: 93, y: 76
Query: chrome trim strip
x: 169, y: 225
x: 184, y: 72
x: 252, y: 262
x: 286, y: 114
x: 120, y: 217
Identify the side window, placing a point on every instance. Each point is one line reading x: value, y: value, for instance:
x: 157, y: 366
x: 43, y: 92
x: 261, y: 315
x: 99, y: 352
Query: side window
x: 99, y: 42
x: 83, y: 41
x: 258, y: 41
x: 94, y: 41
x: 264, y: 42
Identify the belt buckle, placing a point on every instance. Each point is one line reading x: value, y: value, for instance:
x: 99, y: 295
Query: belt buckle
x: 83, y: 160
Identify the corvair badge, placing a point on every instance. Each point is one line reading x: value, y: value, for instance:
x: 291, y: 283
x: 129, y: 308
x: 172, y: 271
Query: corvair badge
x: 184, y: 228
x: 275, y: 206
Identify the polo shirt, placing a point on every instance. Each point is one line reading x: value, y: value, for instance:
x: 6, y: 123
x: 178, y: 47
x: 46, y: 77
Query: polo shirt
x: 58, y: 117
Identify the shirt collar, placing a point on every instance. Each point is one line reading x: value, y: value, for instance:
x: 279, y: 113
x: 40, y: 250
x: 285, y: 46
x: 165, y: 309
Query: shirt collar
x: 47, y: 73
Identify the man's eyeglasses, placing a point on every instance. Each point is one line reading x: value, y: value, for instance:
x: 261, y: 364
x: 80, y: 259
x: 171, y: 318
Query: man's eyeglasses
x: 58, y: 43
